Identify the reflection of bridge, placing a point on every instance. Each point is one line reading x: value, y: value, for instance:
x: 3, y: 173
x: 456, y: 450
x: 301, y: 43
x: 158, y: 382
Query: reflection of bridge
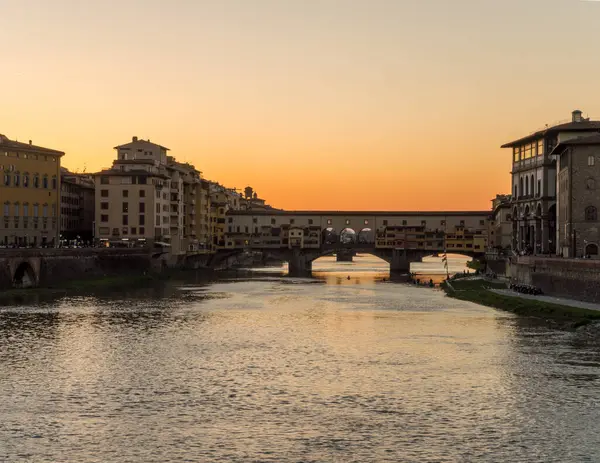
x: 299, y: 237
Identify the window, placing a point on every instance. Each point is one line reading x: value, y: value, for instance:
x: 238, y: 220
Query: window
x: 385, y: 222
x: 158, y: 208
x: 142, y: 220
x: 125, y: 208
x: 36, y: 210
x: 26, y: 210
x: 540, y: 147
x: 482, y: 222
x: 292, y: 221
x: 142, y: 181
x: 462, y: 223
x: 328, y: 221
x: 6, y: 179
x: 124, y: 230
x: 17, y: 180
x: 104, y: 206
x: 591, y: 214
x: 347, y: 221
x: 366, y: 222
x: 133, y: 231
x: 125, y: 220
x: 142, y: 230
x: 443, y: 223
x: 590, y: 161
x: 26, y: 180
x: 272, y: 221
x: 539, y: 190
x: 104, y: 193
x: 45, y: 210
x: 142, y: 207
x: 142, y: 193
x: 254, y: 220
x: 104, y: 218
x: 517, y: 154
x: 45, y: 182
x: 6, y: 209
x: 405, y: 222
x: 158, y: 220
x: 125, y: 193
x: 310, y: 221
x: 54, y: 183
x: 423, y: 223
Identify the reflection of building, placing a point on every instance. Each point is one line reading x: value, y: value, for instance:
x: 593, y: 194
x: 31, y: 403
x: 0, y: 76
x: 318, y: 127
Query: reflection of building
x: 578, y: 195
x: 534, y: 183
x: 500, y: 232
x: 29, y: 194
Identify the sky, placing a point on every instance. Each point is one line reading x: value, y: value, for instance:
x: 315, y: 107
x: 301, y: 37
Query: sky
x: 317, y: 104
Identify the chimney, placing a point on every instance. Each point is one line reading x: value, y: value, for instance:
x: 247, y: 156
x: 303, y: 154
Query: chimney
x: 577, y: 116
x: 30, y: 142
x: 134, y: 139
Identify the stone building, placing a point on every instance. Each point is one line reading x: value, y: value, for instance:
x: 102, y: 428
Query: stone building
x: 77, y: 206
x: 501, y: 224
x: 29, y: 194
x: 534, y: 183
x: 148, y: 196
x: 578, y: 196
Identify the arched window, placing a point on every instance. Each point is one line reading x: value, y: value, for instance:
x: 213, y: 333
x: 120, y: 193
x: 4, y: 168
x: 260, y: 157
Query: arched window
x: 54, y: 183
x: 25, y: 179
x: 36, y: 181
x: 45, y: 182
x: 591, y: 249
x: 526, y: 187
x: 521, y: 186
x: 531, y: 189
x: 17, y: 179
x: 591, y: 214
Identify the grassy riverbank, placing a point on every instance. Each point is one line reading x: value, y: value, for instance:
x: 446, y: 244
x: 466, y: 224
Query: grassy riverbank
x: 476, y: 291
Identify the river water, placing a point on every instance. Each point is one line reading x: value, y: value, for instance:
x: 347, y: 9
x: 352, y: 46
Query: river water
x: 266, y: 368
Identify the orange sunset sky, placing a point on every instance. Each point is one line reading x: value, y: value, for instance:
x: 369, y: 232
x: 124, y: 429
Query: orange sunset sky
x: 318, y: 104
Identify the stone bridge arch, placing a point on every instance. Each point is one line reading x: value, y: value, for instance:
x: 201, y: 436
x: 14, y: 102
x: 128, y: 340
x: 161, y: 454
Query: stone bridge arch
x: 25, y: 273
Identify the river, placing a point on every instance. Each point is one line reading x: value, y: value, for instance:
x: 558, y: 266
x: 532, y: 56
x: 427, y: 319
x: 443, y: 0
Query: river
x: 261, y: 367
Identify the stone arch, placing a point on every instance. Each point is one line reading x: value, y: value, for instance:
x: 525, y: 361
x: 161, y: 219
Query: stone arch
x: 591, y: 249
x: 329, y: 235
x: 366, y: 235
x: 348, y: 236
x: 24, y: 276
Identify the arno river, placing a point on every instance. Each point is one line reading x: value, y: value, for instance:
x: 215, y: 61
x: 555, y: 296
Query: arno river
x: 266, y: 368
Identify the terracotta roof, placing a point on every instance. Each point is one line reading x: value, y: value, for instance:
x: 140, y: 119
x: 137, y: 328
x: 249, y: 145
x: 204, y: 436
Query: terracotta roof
x: 363, y: 213
x: 585, y: 140
x: 6, y: 144
x: 567, y: 127
x: 138, y: 141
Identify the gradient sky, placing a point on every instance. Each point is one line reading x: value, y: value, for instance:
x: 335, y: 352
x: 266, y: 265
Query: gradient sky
x: 330, y: 104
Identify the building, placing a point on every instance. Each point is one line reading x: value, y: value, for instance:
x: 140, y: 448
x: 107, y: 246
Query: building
x: 149, y: 196
x: 77, y: 206
x: 29, y: 193
x: 501, y: 224
x: 133, y: 196
x: 222, y: 200
x: 534, y: 185
x: 578, y: 196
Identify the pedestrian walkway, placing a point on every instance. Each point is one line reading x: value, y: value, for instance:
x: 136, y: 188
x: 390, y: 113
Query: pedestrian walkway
x: 549, y: 299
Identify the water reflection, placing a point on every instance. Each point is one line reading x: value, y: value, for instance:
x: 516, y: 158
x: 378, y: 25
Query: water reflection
x: 266, y: 367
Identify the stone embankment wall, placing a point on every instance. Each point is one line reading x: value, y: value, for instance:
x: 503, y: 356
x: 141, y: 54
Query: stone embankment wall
x: 572, y: 278
x: 48, y: 267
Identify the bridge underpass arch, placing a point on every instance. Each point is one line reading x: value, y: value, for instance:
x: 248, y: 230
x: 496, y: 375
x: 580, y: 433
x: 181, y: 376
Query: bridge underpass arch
x: 24, y: 276
x: 329, y: 235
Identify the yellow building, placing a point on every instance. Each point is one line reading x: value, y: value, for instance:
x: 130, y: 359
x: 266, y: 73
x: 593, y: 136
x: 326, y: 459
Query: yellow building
x: 29, y: 194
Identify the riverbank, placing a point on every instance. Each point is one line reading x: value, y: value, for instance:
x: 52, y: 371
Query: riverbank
x: 478, y: 291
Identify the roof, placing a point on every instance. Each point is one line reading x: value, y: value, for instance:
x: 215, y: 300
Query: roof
x: 5, y: 144
x: 566, y: 127
x: 147, y: 142
x: 129, y: 173
x: 363, y: 213
x: 581, y: 141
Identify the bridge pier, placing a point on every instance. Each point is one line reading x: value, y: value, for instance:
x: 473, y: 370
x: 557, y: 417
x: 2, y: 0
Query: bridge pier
x: 344, y: 255
x: 400, y: 262
x: 299, y: 264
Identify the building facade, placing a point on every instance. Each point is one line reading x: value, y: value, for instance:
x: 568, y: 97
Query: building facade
x: 501, y: 224
x: 579, y: 196
x: 29, y: 194
x: 77, y: 207
x: 534, y: 184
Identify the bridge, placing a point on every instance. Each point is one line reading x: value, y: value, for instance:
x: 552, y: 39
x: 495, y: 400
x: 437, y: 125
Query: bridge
x: 300, y: 237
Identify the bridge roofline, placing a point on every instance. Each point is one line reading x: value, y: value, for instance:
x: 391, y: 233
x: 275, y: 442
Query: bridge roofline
x: 363, y: 213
